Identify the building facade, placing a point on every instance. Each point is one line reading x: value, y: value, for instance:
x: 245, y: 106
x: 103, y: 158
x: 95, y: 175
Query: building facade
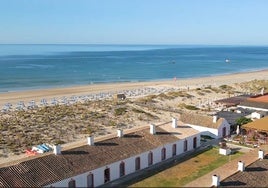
x: 100, y: 162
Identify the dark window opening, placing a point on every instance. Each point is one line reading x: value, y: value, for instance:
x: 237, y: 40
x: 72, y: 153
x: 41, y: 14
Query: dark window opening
x: 194, y: 142
x: 90, y: 180
x: 138, y: 163
x: 174, y: 149
x: 185, y: 148
x: 150, y: 158
x: 122, y: 169
x: 163, y: 154
x: 106, y: 175
x: 71, y: 183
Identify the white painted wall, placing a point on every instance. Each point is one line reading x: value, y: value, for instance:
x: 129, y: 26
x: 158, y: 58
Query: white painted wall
x: 224, y: 124
x: 205, y: 130
x: 215, y: 133
x: 256, y: 115
x: 81, y: 180
x: 252, y: 108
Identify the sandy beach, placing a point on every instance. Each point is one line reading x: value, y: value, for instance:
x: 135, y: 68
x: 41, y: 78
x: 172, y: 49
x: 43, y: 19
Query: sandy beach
x: 24, y: 129
x: 37, y: 95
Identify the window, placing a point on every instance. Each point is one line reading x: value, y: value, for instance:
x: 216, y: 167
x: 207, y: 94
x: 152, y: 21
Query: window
x: 185, y: 146
x: 163, y: 154
x: 122, y: 169
x: 90, y: 180
x: 194, y: 142
x: 106, y: 175
x: 71, y: 183
x: 174, y: 149
x: 150, y: 158
x: 137, y: 163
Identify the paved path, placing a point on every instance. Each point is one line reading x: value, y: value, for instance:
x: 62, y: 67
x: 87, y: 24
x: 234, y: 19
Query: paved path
x: 226, y: 170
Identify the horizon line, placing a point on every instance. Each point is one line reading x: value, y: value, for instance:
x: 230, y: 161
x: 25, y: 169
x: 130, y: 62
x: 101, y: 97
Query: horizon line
x: 133, y: 44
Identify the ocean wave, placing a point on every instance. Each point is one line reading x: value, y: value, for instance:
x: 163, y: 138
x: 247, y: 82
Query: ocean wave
x: 33, y: 66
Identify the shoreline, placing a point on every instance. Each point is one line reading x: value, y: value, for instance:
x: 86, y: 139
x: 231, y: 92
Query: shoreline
x: 127, y: 82
x: 49, y: 93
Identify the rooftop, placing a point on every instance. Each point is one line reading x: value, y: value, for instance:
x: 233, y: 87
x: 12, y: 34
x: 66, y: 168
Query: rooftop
x: 231, y: 117
x: 254, y: 104
x: 51, y: 168
x: 254, y: 176
x: 258, y: 101
x: 259, y: 124
x: 201, y: 120
x: 259, y: 98
x: 232, y: 101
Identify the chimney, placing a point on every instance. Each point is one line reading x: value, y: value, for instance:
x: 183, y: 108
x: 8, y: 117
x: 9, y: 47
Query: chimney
x: 241, y: 166
x: 261, y: 154
x: 215, y: 180
x: 174, y: 122
x: 215, y: 118
x: 152, y: 129
x: 57, y: 149
x: 262, y: 91
x: 90, y: 140
x: 120, y: 133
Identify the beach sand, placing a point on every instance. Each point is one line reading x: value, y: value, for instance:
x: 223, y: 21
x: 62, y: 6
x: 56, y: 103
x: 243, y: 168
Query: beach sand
x: 185, y: 84
x: 37, y: 95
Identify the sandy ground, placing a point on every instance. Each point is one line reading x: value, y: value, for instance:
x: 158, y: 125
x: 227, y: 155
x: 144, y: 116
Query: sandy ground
x: 37, y: 95
x: 215, y: 81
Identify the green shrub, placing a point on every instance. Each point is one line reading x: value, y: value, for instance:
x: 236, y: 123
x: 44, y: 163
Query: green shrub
x: 120, y: 111
x: 191, y: 107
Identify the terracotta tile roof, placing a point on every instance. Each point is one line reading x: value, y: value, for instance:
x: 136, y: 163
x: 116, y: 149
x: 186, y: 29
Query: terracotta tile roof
x: 48, y: 169
x: 201, y: 120
x: 259, y: 124
x: 255, y: 175
x: 259, y: 98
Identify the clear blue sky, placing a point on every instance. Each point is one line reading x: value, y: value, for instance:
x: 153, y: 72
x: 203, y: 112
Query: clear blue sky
x: 242, y: 22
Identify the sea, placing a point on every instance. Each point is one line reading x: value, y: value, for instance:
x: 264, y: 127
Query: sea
x: 40, y: 66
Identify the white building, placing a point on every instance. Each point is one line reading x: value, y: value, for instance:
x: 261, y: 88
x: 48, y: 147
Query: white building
x: 103, y: 161
x: 207, y: 125
x: 258, y: 114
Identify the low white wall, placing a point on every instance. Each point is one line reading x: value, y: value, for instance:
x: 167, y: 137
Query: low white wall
x: 252, y: 108
x: 224, y: 151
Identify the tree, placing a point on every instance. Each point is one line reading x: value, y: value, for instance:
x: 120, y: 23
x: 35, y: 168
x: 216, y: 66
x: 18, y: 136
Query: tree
x: 242, y: 120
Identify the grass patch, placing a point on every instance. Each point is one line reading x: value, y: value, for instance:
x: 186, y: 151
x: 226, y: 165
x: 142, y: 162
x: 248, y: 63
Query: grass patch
x: 189, y: 107
x: 185, y: 172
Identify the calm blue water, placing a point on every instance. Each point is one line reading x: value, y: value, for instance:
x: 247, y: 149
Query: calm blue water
x: 26, y: 67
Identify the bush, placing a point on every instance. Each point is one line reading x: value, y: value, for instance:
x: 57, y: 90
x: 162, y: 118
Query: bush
x: 111, y: 123
x: 242, y: 121
x: 225, y: 87
x: 120, y: 111
x: 189, y: 107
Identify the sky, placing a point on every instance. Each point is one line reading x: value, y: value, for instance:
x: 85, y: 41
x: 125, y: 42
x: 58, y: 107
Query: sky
x: 205, y: 22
